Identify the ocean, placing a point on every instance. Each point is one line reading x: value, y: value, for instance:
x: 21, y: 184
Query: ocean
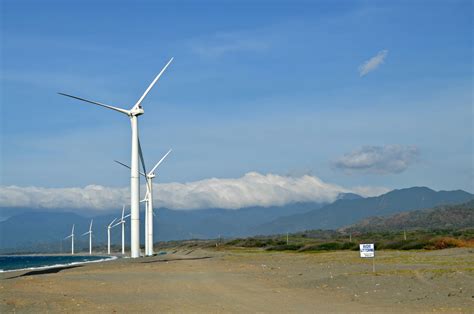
x: 22, y: 262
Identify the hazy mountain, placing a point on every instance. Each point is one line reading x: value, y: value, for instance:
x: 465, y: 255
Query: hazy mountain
x: 441, y: 217
x: 348, y: 196
x: 44, y: 231
x: 348, y: 211
x: 31, y: 230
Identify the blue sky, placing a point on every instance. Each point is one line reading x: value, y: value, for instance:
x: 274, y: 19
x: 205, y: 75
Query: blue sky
x: 256, y: 86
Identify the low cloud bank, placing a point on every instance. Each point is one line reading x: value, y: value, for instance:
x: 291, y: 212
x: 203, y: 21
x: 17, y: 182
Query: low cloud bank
x: 253, y: 189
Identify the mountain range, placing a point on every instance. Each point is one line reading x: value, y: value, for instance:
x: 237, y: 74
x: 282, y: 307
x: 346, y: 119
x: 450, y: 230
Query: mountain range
x: 348, y: 211
x: 32, y: 230
x: 457, y: 216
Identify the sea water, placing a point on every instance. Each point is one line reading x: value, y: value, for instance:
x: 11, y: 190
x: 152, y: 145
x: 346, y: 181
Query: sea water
x: 22, y: 262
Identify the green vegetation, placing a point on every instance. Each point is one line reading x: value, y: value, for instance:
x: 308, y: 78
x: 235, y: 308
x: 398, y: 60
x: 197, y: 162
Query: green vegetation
x: 429, y: 229
x: 442, y: 217
x: 329, y: 240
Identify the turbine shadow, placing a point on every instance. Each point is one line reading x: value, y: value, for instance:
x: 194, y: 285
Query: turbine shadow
x: 177, y: 259
x: 45, y: 271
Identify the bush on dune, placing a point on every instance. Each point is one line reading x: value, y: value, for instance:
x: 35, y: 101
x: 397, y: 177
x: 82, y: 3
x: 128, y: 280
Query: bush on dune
x: 447, y: 242
x: 416, y: 244
x: 321, y: 240
x: 330, y: 246
x: 285, y: 247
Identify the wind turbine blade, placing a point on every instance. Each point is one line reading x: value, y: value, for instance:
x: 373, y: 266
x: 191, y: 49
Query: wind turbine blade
x: 112, y: 222
x: 148, y: 187
x: 127, y: 166
x: 68, y: 237
x: 127, y: 216
x: 72, y: 230
x: 85, y: 233
x: 159, y: 162
x: 118, y: 223
x: 146, y: 194
x: 123, y: 211
x: 90, y: 227
x: 98, y: 103
x: 141, y: 155
x: 152, y: 84
x: 121, y: 163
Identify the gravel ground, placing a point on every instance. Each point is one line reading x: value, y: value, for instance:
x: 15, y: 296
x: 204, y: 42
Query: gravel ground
x: 249, y: 281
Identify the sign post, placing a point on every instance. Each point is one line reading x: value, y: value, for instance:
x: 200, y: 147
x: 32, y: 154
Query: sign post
x: 368, y: 251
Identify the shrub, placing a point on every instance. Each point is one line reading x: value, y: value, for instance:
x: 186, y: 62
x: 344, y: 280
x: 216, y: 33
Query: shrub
x: 285, y: 247
x: 444, y: 243
x: 349, y: 246
x: 330, y: 246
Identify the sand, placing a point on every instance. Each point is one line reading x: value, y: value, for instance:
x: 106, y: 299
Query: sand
x: 249, y: 281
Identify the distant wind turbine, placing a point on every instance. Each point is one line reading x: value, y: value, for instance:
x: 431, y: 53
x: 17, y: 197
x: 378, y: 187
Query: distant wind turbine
x: 122, y: 222
x: 108, y: 235
x: 72, y: 240
x: 133, y: 114
x: 90, y: 237
x: 148, y: 201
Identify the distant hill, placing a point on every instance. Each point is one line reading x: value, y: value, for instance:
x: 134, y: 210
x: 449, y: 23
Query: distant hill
x: 43, y: 231
x: 441, y: 217
x: 33, y: 230
x: 344, y: 212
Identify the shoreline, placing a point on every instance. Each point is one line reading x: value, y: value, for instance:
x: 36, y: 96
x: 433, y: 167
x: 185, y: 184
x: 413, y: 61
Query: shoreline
x: 103, y: 259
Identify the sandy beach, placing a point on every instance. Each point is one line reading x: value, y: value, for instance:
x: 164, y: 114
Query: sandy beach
x: 248, y: 281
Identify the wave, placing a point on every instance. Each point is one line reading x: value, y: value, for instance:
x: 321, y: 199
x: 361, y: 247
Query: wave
x: 105, y: 259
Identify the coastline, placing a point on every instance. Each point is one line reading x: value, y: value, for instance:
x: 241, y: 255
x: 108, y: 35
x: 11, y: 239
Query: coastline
x: 102, y: 259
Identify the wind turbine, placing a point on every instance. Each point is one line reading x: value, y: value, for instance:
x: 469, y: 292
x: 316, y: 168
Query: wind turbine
x: 133, y: 114
x: 148, y: 202
x: 122, y: 222
x: 72, y: 240
x: 90, y: 237
x: 108, y: 235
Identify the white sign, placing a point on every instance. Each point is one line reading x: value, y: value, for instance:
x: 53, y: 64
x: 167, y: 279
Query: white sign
x: 367, y: 250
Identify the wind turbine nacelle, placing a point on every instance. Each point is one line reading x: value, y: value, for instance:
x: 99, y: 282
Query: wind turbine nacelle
x: 137, y: 111
x: 151, y: 176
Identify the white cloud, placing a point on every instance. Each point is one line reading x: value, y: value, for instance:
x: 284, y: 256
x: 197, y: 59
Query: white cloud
x: 253, y: 189
x: 91, y: 197
x: 379, y: 159
x: 223, y: 43
x: 369, y: 191
x: 373, y: 63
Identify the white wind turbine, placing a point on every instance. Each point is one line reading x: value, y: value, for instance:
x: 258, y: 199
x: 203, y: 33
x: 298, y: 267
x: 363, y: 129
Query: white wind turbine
x: 122, y: 222
x: 90, y: 237
x: 108, y: 235
x: 72, y: 240
x: 133, y: 114
x: 148, y: 202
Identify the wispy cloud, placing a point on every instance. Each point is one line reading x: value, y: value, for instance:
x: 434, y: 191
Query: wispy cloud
x: 223, y: 43
x: 378, y: 159
x: 373, y: 63
x: 253, y: 189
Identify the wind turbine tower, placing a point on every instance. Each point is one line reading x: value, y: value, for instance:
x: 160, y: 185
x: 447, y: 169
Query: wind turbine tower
x: 90, y: 237
x: 108, y: 235
x: 72, y: 240
x: 133, y: 114
x: 122, y: 222
x: 149, y: 210
x: 148, y: 202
